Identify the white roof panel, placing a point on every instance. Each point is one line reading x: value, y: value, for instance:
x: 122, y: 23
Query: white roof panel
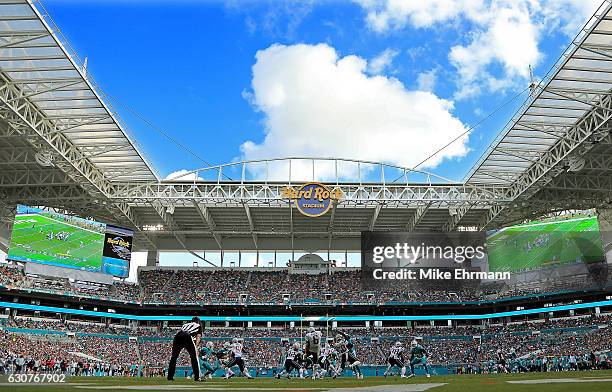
x: 35, y: 56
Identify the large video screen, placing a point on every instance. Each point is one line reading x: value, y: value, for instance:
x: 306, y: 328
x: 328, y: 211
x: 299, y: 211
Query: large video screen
x: 545, y: 243
x: 46, y: 237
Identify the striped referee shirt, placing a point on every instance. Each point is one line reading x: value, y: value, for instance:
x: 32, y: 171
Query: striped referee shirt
x: 192, y: 328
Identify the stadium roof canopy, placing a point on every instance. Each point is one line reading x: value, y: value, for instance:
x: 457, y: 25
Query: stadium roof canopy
x: 61, y: 145
x: 559, y: 140
x: 48, y: 86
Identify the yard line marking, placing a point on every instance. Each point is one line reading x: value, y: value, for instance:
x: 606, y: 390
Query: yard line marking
x: 170, y: 387
x: 66, y: 223
x: 390, y: 388
x: 544, y: 223
x: 560, y: 380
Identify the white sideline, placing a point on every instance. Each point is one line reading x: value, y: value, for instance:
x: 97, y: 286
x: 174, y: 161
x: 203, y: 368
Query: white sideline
x: 267, y: 387
x: 560, y: 380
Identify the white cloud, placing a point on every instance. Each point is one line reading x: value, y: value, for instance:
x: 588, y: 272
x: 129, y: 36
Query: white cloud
x: 500, y: 33
x: 316, y: 103
x: 396, y: 14
x: 382, y: 61
x: 568, y: 15
x: 426, y: 81
x: 183, y: 175
x: 510, y: 39
x: 274, y: 18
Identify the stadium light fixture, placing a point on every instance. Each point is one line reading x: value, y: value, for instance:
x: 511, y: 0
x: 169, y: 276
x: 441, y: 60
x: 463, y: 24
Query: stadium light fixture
x: 157, y: 227
x: 575, y: 164
x: 44, y: 158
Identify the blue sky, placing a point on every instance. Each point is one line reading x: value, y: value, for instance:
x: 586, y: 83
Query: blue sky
x: 379, y: 80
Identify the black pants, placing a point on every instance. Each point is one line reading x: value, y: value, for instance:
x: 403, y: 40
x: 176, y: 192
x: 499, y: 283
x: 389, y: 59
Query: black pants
x: 236, y: 362
x: 395, y: 362
x: 290, y: 365
x: 347, y: 358
x: 313, y: 355
x: 183, y: 340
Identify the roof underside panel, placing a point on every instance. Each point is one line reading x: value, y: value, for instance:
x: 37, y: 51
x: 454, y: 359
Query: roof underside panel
x: 54, y: 79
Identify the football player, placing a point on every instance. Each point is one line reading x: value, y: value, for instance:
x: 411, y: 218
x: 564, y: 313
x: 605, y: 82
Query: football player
x: 348, y: 354
x: 290, y: 363
x: 313, y: 349
x: 418, y: 356
x: 396, y: 358
x: 209, y: 360
x: 237, y: 359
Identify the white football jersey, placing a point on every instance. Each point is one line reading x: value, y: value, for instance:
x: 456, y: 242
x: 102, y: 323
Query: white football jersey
x: 396, y: 352
x: 237, y: 350
x: 291, y: 354
x: 327, y: 351
x: 314, y: 340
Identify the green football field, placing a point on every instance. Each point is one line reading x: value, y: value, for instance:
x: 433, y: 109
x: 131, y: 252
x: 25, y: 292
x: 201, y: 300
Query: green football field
x: 30, y: 241
x: 536, y: 382
x: 540, y: 244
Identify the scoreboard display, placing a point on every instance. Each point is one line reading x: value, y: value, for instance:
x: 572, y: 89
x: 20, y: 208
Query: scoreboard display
x: 46, y: 237
x: 544, y: 244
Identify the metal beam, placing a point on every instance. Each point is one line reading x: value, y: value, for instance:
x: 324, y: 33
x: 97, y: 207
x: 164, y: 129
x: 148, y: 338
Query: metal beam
x: 17, y: 39
x: 580, y: 138
x: 374, y: 217
x: 174, y: 228
x: 258, y: 193
x: 330, y: 227
x: 575, y: 181
x: 17, y: 156
x: 208, y: 219
x: 30, y: 121
x: 457, y: 214
x: 46, y: 177
x: 44, y: 134
x: 291, y: 228
x: 489, y: 215
x: 251, y: 224
x: 419, y: 213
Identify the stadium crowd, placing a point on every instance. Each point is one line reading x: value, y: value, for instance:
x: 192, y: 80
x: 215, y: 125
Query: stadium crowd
x: 15, y: 277
x: 558, y: 344
x: 201, y: 285
x: 234, y: 286
x: 87, y: 356
x: 11, y: 276
x: 82, y: 326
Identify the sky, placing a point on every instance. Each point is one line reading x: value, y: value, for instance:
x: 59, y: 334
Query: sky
x: 388, y: 81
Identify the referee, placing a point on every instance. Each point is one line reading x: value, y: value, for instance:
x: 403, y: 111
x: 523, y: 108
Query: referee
x: 187, y: 338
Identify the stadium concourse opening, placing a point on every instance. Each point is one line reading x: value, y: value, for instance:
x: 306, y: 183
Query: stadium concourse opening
x: 311, y: 271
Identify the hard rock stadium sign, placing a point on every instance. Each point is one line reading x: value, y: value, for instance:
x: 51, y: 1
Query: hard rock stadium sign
x: 312, y: 199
